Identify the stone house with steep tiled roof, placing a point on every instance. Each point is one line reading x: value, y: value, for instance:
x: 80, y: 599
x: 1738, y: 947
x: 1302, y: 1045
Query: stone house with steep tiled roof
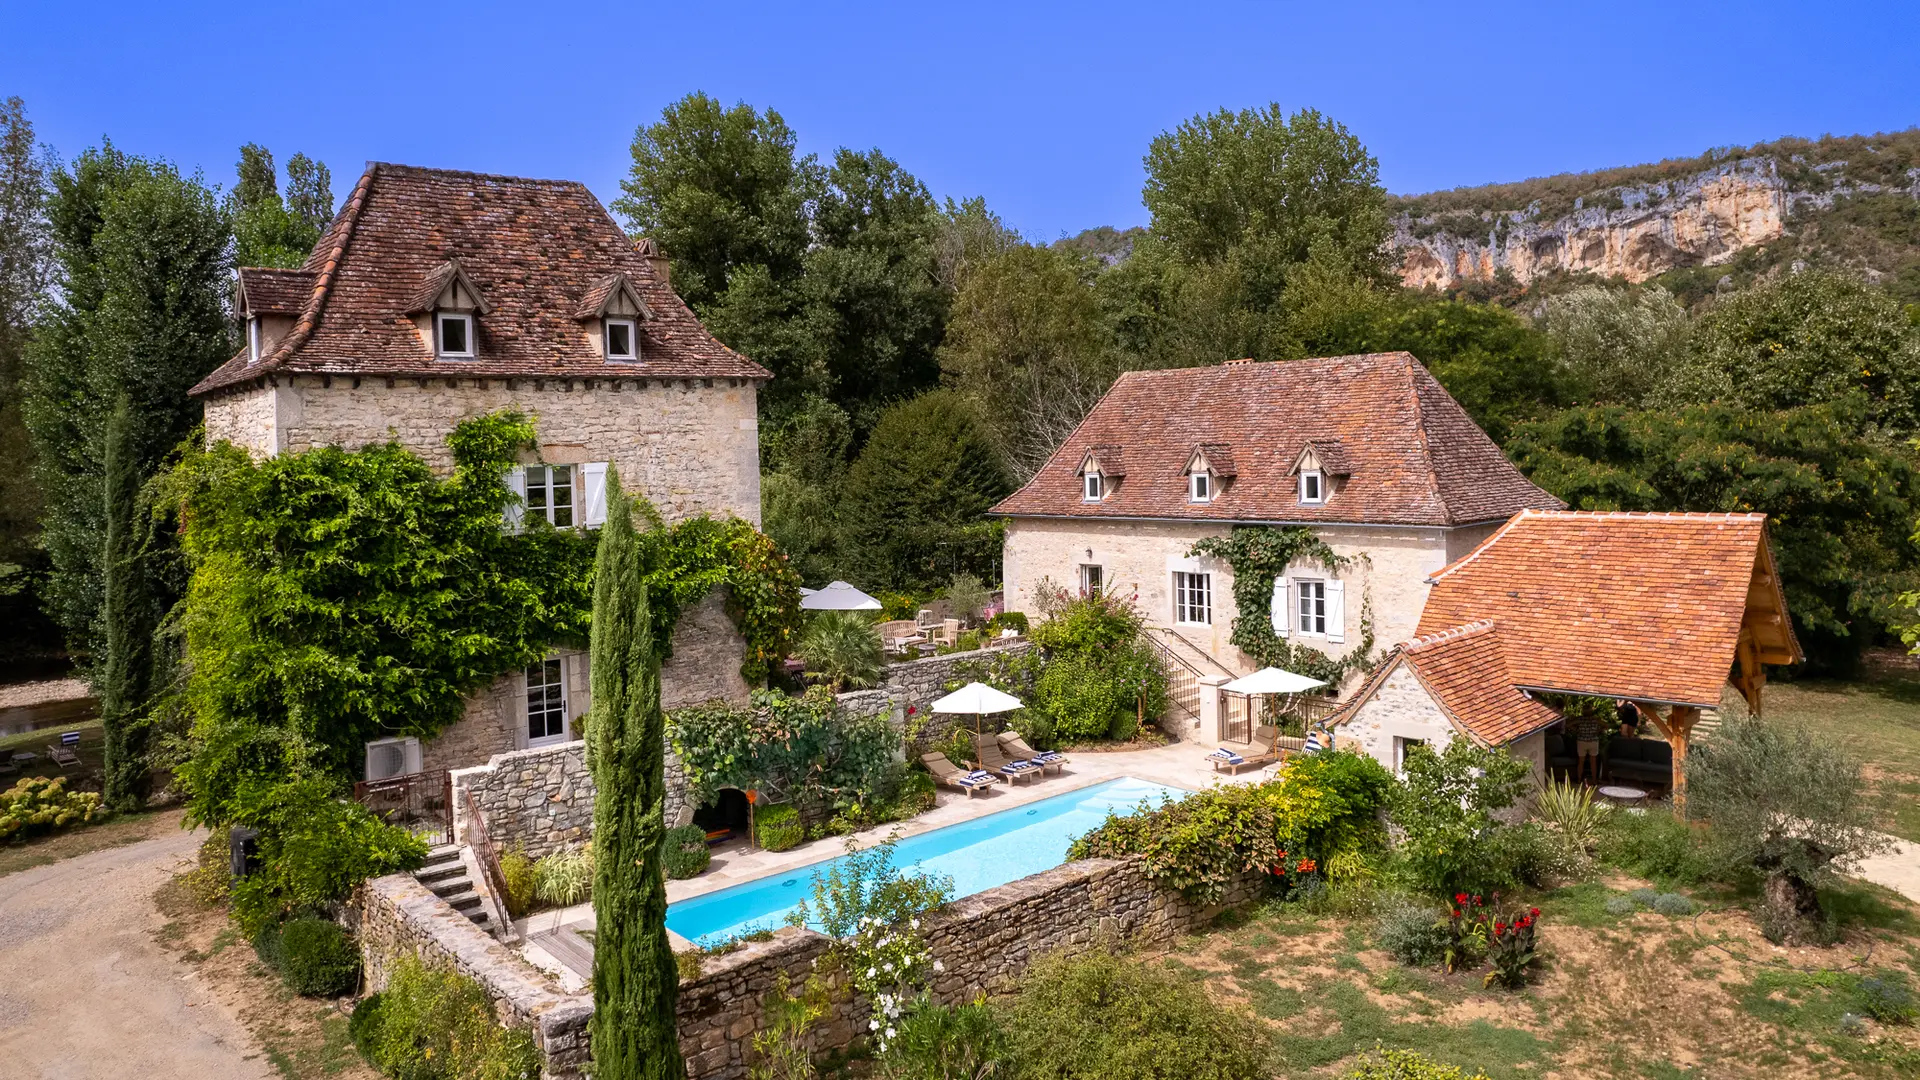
x: 1370, y: 452
x: 439, y: 295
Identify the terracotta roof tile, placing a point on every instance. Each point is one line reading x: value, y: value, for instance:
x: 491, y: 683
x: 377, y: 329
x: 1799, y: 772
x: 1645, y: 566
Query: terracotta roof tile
x: 1645, y: 606
x: 1465, y: 670
x: 533, y: 248
x: 267, y: 290
x: 1414, y: 456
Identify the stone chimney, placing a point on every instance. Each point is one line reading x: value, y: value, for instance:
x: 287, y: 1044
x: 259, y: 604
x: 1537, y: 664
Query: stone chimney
x: 650, y: 251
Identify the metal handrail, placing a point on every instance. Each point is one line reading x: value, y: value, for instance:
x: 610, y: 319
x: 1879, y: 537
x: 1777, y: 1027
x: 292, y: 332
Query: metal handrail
x: 482, y: 846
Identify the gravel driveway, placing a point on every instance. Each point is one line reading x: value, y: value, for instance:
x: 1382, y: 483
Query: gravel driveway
x: 86, y: 991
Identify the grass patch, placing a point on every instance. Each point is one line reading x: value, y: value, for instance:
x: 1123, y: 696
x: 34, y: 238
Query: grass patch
x: 117, y: 831
x: 1853, y: 904
x: 1353, y: 1023
x: 1880, y: 717
x: 1582, y: 905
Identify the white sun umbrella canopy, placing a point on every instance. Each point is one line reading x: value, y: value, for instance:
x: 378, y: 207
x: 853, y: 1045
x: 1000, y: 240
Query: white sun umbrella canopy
x: 1273, y: 680
x: 838, y: 596
x: 977, y: 699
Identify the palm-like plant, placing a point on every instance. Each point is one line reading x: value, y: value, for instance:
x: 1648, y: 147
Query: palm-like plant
x: 1570, y: 810
x: 842, y: 649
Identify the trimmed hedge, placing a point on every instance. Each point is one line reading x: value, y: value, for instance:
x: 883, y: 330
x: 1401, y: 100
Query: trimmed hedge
x: 685, y: 852
x: 318, y: 958
x: 778, y: 828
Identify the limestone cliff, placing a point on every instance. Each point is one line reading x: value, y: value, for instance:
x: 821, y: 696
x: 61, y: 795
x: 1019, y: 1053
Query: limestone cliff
x: 1700, y: 213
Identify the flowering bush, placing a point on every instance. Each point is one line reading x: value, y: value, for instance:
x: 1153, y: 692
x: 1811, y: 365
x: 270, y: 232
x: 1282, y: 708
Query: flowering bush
x: 42, y: 804
x: 1511, y: 948
x: 872, y: 910
x: 1469, y: 927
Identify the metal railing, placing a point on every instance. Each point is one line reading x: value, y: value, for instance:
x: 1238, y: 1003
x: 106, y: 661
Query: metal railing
x: 1183, y: 678
x: 421, y: 803
x: 483, y: 853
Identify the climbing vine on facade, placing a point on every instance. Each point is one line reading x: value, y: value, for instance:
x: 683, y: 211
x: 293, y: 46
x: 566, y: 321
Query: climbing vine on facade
x: 1258, y: 555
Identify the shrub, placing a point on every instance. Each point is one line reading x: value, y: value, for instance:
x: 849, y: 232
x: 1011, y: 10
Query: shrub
x: 1672, y: 903
x: 968, y: 596
x: 363, y: 1027
x: 1530, y: 855
x: 945, y: 1042
x: 516, y: 873
x: 1656, y: 845
x: 1112, y: 1017
x: 212, y: 875
x: 1406, y: 1065
x: 1511, y: 947
x: 564, y: 877
x: 41, y: 804
x: 843, y: 650
x: 266, y: 945
x: 1008, y: 620
x: 777, y: 828
x: 1412, y: 932
x: 1453, y: 842
x: 1569, y: 811
x: 318, y: 958
x: 1099, y: 677
x: 1618, y: 906
x: 684, y: 851
x: 1886, y: 998
x: 1469, y: 932
x: 1644, y: 896
x: 782, y: 1049
x: 434, y: 1024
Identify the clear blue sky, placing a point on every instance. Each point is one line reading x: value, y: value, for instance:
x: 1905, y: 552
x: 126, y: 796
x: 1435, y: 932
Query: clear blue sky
x: 1044, y: 109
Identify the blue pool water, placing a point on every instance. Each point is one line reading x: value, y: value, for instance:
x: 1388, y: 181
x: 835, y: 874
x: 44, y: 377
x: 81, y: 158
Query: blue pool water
x: 977, y: 855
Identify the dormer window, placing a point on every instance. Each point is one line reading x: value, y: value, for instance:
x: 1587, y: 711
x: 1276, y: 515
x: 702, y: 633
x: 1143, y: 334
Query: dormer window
x: 1095, y: 488
x: 622, y: 337
x: 253, y: 340
x: 453, y: 335
x: 1313, y: 486
x: 1200, y: 487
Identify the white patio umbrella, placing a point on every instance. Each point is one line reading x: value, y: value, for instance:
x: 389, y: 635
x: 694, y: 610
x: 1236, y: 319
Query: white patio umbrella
x: 838, y: 596
x: 978, y: 699
x: 1272, y: 681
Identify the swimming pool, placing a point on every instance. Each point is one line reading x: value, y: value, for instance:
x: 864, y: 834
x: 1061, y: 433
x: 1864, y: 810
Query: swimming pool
x: 978, y: 855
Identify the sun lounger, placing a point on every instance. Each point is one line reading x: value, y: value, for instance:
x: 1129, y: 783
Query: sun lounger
x: 1268, y: 747
x: 1017, y: 748
x: 994, y: 759
x: 62, y: 756
x: 946, y: 772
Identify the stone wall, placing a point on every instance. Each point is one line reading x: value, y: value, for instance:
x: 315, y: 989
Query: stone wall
x: 984, y: 943
x: 1401, y: 708
x: 917, y: 684
x: 542, y: 800
x: 692, y: 446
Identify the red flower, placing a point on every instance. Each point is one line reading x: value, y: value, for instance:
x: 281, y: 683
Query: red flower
x: 1533, y: 913
x: 1476, y: 901
x: 1459, y: 898
x: 911, y: 709
x: 1456, y: 913
x: 1305, y: 867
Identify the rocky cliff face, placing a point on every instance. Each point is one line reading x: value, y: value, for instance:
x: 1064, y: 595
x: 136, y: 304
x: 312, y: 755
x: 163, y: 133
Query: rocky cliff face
x: 1633, y: 231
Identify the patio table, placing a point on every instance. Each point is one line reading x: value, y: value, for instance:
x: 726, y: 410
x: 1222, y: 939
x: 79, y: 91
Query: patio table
x: 1621, y: 793
x: 21, y: 757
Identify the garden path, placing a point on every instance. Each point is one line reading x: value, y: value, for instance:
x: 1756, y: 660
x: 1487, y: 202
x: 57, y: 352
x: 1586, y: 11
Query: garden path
x: 89, y: 991
x: 1898, y: 869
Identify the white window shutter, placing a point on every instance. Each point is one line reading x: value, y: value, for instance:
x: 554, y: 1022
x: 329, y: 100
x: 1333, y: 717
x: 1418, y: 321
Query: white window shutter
x: 1336, y: 611
x: 1281, y: 615
x: 593, y: 476
x: 516, y: 483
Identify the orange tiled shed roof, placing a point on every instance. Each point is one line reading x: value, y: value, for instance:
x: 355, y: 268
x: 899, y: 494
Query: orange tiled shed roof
x: 1465, y: 670
x: 1405, y: 451
x: 534, y: 249
x: 1646, y: 606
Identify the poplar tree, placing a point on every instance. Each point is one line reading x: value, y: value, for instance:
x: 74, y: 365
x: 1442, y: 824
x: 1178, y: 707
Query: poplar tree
x: 123, y: 677
x: 635, y: 980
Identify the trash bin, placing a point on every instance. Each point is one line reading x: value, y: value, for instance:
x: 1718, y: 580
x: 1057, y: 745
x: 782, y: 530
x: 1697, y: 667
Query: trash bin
x: 243, y: 852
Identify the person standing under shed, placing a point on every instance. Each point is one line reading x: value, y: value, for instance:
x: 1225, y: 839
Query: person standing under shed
x: 1584, y: 726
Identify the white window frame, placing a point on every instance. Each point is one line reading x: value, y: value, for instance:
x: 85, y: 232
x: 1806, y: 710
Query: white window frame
x: 1200, y: 486
x: 1094, y: 487
x: 1093, y: 579
x: 1310, y: 610
x: 1192, y: 598
x: 1401, y: 744
x: 633, y: 338
x: 1317, y: 480
x: 253, y: 340
x: 440, y: 319
x: 550, y: 665
x: 538, y: 492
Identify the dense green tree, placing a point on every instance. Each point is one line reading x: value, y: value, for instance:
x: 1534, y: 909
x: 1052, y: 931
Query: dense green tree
x: 1803, y: 339
x: 634, y: 1029
x: 131, y: 618
x: 269, y: 230
x: 969, y: 234
x: 24, y: 629
x: 1840, y: 504
x: 142, y: 273
x: 1616, y: 345
x: 718, y: 189
x: 915, y: 498
x: 805, y: 456
x: 1029, y: 344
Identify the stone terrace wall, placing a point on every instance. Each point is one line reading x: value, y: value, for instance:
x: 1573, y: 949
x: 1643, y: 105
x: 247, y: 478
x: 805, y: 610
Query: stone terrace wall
x: 984, y: 942
x: 542, y: 799
x: 916, y: 684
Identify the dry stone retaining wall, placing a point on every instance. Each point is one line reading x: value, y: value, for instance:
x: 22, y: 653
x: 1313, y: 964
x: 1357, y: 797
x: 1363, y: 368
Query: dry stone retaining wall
x: 542, y: 800
x: 984, y: 942
x: 917, y: 684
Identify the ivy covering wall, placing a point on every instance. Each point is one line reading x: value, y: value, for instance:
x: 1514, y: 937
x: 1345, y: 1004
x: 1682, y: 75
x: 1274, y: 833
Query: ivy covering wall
x: 1258, y: 555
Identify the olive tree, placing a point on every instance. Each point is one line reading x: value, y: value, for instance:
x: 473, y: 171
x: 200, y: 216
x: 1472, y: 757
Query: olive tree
x: 1784, y: 805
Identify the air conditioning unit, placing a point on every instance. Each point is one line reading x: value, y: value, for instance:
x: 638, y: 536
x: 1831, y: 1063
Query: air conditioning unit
x: 388, y: 758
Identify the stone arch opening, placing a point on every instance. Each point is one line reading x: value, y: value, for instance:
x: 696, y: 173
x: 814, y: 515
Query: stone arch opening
x: 726, y: 814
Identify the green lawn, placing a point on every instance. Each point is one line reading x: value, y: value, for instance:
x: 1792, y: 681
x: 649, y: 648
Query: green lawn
x: 1878, y: 718
x: 83, y: 775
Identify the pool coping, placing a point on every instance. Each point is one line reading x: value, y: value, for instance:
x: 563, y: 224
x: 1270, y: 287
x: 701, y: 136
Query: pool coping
x: 1084, y: 771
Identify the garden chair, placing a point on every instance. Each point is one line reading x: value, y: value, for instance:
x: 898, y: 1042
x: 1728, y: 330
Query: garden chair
x: 994, y: 759
x: 1017, y: 746
x: 946, y: 772
x: 63, y: 756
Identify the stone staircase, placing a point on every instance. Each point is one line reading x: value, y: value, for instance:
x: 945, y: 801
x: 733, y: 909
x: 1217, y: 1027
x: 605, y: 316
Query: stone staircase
x: 445, y: 875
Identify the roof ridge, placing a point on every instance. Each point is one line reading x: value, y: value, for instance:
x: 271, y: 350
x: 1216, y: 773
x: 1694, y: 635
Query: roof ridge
x: 1466, y: 629
x: 1420, y: 433
x: 1655, y: 515
x: 401, y: 167
x: 341, y: 232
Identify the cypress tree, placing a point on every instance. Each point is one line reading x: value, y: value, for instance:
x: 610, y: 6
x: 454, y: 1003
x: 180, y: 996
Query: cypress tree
x: 123, y: 675
x: 635, y: 980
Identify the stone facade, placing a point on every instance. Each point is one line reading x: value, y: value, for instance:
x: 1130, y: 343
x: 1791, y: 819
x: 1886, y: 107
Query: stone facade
x: 1138, y: 559
x: 705, y: 666
x: 1402, y: 709
x: 690, y: 445
x: 984, y: 942
x: 542, y: 800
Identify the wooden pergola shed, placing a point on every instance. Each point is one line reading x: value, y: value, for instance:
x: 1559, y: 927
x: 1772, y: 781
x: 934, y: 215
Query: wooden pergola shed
x: 1660, y: 609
